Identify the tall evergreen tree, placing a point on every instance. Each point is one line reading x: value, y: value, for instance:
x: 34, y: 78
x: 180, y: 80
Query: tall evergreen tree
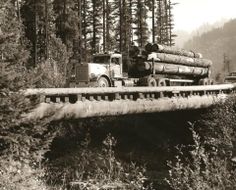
x: 141, y: 15
x: 11, y: 36
x: 22, y: 144
x: 40, y: 31
x: 122, y: 11
x: 86, y: 29
x: 109, y: 26
x: 152, y: 6
x: 164, y: 22
x: 171, y: 23
x: 66, y: 21
x: 96, y: 15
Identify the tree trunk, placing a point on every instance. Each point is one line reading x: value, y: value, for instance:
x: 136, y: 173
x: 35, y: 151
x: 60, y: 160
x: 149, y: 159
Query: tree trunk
x: 80, y: 29
x: 64, y: 35
x: 121, y: 20
x: 35, y: 34
x: 46, y: 29
x: 84, y: 30
x: 153, y: 21
x: 174, y: 50
x: 172, y: 69
x: 182, y: 60
x: 104, y: 24
x: 108, y: 43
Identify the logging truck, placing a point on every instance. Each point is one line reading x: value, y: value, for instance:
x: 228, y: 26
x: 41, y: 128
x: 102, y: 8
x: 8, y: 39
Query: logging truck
x: 231, y: 78
x: 155, y: 66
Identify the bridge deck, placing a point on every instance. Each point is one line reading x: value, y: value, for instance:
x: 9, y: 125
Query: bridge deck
x: 55, y: 91
x: 93, y: 102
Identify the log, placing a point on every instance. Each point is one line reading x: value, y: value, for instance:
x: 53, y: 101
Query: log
x: 134, y: 51
x: 148, y: 47
x: 174, y: 50
x: 178, y: 59
x: 166, y: 68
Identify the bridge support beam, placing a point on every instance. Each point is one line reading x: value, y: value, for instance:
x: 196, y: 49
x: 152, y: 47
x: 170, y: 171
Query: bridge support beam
x: 85, y: 109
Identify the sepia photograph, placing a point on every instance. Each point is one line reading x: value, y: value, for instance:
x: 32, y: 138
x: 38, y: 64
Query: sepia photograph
x: 117, y: 95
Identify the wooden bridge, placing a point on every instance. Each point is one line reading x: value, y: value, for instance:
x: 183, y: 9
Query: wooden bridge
x: 93, y: 102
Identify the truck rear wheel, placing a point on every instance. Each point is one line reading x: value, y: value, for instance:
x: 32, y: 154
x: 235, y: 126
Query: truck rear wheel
x: 161, y: 82
x: 211, y: 81
x: 204, y: 81
x: 103, y: 82
x: 152, y: 82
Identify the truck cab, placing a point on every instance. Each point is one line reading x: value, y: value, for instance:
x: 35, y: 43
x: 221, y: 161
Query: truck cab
x: 231, y: 78
x: 104, y: 70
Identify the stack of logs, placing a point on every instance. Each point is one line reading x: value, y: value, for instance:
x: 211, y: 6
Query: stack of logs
x: 171, y: 60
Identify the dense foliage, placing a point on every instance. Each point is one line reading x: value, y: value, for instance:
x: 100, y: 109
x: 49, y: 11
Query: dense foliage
x: 39, y: 43
x: 210, y: 162
x: 22, y: 143
x: 93, y: 168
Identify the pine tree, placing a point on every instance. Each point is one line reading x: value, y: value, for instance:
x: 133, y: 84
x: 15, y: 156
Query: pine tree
x: 22, y: 144
x: 96, y: 24
x: 66, y: 21
x: 141, y: 22
x: 122, y: 11
x: 170, y: 23
x: 47, y: 52
x: 109, y: 26
x: 164, y: 22
x: 86, y: 28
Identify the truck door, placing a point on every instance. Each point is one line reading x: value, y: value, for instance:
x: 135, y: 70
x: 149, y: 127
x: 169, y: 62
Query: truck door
x: 116, y: 67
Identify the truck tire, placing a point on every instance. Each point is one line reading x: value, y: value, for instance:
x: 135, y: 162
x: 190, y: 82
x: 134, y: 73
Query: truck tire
x: 204, y: 82
x: 151, y: 82
x: 161, y: 82
x: 103, y: 82
x: 211, y: 81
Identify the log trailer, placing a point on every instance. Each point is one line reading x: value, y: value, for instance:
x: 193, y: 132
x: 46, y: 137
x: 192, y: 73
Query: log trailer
x: 157, y: 65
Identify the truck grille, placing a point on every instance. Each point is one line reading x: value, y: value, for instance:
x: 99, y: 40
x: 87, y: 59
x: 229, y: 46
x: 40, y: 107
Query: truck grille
x: 82, y: 73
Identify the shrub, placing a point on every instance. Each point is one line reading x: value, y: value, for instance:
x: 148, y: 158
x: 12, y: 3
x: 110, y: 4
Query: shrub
x: 209, y: 162
x: 15, y: 175
x: 203, y: 169
x: 218, y: 129
x: 90, y: 168
x: 22, y: 144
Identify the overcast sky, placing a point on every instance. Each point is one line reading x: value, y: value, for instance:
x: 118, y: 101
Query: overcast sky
x: 190, y: 14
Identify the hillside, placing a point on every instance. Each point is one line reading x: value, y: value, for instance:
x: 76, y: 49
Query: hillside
x: 214, y: 44
x: 183, y: 36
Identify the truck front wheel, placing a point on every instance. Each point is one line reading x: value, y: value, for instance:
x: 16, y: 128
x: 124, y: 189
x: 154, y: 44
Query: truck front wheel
x: 103, y: 82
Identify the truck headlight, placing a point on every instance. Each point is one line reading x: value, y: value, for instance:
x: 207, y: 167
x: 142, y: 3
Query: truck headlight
x: 92, y: 76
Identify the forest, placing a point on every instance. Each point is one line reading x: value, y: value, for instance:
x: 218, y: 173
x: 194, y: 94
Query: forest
x: 40, y: 41
x: 65, y: 33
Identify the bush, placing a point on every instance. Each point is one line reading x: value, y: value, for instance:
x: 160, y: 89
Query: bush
x: 209, y: 162
x: 218, y: 129
x: 203, y: 169
x: 22, y: 144
x: 16, y: 175
x: 90, y: 168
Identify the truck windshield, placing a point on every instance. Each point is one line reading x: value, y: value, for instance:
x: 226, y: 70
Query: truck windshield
x: 102, y: 59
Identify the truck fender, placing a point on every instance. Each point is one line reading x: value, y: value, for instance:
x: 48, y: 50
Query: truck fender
x: 107, y: 77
